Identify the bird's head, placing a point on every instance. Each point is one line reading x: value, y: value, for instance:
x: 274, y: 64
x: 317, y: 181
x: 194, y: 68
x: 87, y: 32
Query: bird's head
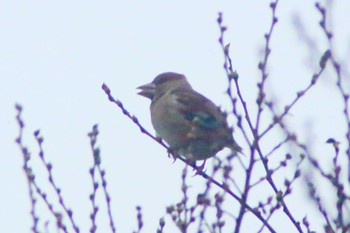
x: 162, y: 83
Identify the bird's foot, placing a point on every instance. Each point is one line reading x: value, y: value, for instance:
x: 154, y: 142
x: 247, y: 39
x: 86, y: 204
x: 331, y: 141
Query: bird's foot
x: 172, y: 154
x: 159, y: 139
x: 198, y: 169
x: 201, y: 167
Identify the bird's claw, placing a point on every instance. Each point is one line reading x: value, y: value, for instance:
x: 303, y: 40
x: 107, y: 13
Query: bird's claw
x: 198, y: 169
x: 172, y: 153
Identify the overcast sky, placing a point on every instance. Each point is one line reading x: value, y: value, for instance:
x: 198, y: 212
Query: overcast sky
x: 55, y: 55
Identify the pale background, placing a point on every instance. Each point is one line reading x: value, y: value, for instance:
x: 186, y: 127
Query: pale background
x: 55, y: 55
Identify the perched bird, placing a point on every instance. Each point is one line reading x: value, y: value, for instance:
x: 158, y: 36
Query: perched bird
x: 191, y: 124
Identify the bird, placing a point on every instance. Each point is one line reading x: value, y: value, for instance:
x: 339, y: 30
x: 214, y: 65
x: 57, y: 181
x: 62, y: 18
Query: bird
x: 191, y: 124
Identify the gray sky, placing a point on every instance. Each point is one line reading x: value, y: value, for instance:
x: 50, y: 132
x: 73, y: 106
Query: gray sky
x: 54, y: 57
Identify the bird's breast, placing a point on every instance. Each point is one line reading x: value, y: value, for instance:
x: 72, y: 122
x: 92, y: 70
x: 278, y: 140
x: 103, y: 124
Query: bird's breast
x: 169, y: 122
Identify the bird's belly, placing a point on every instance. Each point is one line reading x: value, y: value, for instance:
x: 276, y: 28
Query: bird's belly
x: 170, y: 127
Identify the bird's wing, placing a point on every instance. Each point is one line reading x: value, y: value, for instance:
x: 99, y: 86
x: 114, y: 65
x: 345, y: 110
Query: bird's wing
x: 199, y: 110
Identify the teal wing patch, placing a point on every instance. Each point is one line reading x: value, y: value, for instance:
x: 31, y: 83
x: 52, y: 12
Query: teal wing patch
x: 198, y: 109
x: 202, y: 119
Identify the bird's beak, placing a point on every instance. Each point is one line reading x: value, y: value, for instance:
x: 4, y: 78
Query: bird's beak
x: 147, y: 90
